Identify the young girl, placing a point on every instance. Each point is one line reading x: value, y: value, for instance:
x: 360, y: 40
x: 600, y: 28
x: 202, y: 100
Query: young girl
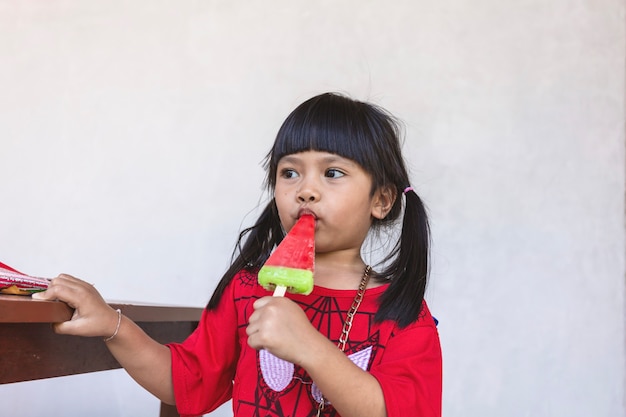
x: 363, y: 343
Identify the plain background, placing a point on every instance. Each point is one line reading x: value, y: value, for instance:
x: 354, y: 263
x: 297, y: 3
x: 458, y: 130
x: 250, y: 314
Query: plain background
x: 132, y: 135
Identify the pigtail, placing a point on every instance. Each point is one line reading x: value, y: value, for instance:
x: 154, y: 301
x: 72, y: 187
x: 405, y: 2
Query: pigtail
x: 259, y: 239
x: 408, y: 268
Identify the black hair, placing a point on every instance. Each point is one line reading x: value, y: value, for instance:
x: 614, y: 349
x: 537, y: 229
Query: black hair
x: 370, y: 136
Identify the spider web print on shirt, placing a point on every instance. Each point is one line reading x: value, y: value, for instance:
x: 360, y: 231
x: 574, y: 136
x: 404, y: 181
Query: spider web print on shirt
x: 278, y: 378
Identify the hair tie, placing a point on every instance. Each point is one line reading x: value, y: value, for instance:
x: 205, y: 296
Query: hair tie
x: 407, y: 189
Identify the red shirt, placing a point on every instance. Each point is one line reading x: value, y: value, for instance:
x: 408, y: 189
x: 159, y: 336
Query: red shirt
x: 216, y: 364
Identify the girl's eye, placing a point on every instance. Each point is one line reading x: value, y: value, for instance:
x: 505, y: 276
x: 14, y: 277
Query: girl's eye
x: 288, y: 173
x: 334, y: 173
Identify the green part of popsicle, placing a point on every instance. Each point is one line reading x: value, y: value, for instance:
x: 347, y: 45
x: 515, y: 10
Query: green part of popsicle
x: 298, y: 281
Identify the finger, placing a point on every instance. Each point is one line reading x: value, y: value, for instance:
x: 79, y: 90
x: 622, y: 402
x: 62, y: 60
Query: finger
x: 261, y: 302
x: 59, y: 289
x: 73, y: 281
x: 255, y: 338
x: 44, y: 295
x: 251, y: 329
x: 68, y: 289
x: 50, y: 293
x: 254, y: 344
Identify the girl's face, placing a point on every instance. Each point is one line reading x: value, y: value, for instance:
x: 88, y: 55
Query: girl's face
x: 335, y: 190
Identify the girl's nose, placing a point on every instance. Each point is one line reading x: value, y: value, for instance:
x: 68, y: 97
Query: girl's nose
x: 308, y: 194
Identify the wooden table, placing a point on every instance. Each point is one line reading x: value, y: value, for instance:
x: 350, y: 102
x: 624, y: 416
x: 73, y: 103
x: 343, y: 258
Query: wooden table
x: 30, y: 350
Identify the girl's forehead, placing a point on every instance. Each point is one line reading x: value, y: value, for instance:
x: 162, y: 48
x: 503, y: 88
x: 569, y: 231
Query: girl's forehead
x: 316, y: 156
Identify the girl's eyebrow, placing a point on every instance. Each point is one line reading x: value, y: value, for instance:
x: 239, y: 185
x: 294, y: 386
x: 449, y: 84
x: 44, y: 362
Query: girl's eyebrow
x: 325, y: 160
x: 336, y: 159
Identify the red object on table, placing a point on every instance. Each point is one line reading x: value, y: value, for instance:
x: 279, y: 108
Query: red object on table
x: 15, y: 282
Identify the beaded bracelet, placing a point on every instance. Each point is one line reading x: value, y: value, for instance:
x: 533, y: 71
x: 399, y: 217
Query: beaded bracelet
x: 117, y: 328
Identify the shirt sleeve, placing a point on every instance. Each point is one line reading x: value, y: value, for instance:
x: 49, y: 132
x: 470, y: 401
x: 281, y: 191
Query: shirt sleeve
x: 410, y: 373
x: 203, y: 366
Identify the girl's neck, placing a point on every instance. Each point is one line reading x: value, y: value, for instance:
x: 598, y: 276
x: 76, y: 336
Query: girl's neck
x: 340, y: 273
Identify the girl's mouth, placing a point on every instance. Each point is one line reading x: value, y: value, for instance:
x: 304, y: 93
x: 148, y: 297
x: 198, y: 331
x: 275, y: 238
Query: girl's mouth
x: 304, y: 211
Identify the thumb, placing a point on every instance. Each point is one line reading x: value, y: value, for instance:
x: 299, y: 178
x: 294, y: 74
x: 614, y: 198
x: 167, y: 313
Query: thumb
x: 71, y: 327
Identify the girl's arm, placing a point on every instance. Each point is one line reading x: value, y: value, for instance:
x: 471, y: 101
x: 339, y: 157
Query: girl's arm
x: 147, y: 361
x: 281, y: 327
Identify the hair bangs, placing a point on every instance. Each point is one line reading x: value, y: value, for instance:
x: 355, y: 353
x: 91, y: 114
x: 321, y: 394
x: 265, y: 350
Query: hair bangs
x: 327, y: 123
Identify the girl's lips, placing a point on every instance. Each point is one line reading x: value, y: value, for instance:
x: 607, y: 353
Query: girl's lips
x: 304, y: 211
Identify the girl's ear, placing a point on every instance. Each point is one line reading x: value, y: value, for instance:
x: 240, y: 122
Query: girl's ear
x: 383, y: 201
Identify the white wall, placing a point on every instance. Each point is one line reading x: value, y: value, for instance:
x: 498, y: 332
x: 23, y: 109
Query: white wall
x: 131, y: 137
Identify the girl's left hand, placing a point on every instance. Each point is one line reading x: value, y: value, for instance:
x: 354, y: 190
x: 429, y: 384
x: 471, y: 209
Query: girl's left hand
x: 279, y: 326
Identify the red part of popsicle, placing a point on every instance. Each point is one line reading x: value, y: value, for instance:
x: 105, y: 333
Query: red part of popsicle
x: 297, y: 249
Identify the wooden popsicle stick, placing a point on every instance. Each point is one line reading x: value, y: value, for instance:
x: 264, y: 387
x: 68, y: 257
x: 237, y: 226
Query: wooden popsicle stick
x: 279, y: 291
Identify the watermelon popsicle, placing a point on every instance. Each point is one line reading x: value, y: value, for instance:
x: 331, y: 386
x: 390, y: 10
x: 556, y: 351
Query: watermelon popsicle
x: 290, y: 266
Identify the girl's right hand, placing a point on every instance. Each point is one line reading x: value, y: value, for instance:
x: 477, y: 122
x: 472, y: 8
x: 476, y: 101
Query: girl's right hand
x: 92, y: 315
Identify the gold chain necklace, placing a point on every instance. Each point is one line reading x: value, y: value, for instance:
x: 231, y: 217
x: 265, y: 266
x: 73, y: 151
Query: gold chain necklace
x: 347, y: 325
